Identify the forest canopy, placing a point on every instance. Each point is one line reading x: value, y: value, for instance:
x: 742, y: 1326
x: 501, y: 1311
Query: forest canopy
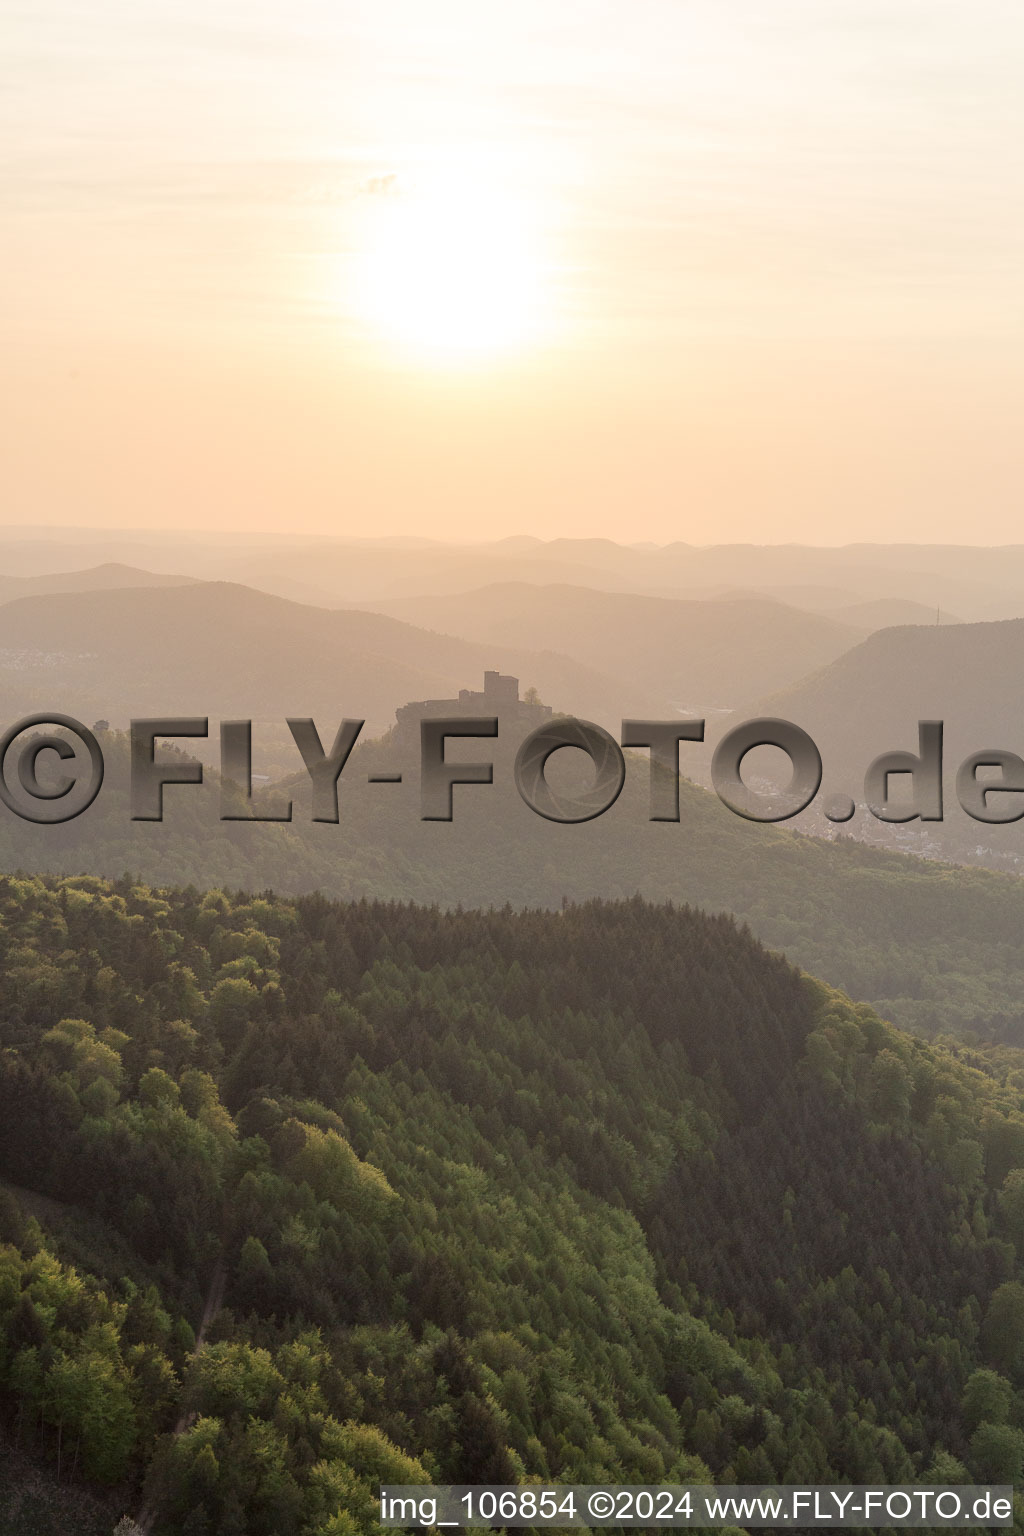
x: 299, y: 1197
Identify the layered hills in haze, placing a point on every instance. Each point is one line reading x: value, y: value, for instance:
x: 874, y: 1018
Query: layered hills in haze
x: 498, y: 1149
x: 970, y: 581
x: 701, y: 656
x: 221, y: 649
x: 931, y: 947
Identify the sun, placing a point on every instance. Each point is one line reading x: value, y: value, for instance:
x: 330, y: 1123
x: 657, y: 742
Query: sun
x: 449, y: 269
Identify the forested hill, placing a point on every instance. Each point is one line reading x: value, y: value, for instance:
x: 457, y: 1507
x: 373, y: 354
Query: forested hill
x: 611, y: 1193
x: 934, y: 947
x: 870, y: 700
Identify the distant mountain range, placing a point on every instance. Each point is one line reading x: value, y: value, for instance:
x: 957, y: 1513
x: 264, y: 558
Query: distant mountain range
x: 700, y: 656
x: 225, y: 650
x: 975, y: 583
x: 124, y: 640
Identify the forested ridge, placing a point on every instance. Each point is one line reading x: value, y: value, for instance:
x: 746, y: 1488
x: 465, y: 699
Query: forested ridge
x: 610, y: 1193
x: 934, y: 947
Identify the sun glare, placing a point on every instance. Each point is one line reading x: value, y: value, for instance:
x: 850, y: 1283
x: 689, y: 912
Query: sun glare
x: 448, y: 269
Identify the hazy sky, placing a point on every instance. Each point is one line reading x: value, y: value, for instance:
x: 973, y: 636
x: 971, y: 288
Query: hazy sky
x: 699, y: 269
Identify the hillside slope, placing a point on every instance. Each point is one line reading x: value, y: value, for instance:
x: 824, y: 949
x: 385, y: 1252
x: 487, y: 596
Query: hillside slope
x: 869, y: 701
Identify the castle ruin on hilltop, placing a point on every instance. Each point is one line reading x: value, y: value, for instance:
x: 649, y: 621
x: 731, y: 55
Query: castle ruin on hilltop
x: 500, y: 697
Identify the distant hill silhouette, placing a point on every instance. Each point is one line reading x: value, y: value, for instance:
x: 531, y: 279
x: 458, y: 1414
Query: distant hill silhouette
x: 224, y: 650
x: 978, y: 583
x: 98, y: 578
x: 969, y: 675
x: 868, y: 701
x: 698, y: 655
x: 975, y: 582
x: 885, y: 612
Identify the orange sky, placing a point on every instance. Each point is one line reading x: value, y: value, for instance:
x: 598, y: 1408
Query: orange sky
x: 680, y: 269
